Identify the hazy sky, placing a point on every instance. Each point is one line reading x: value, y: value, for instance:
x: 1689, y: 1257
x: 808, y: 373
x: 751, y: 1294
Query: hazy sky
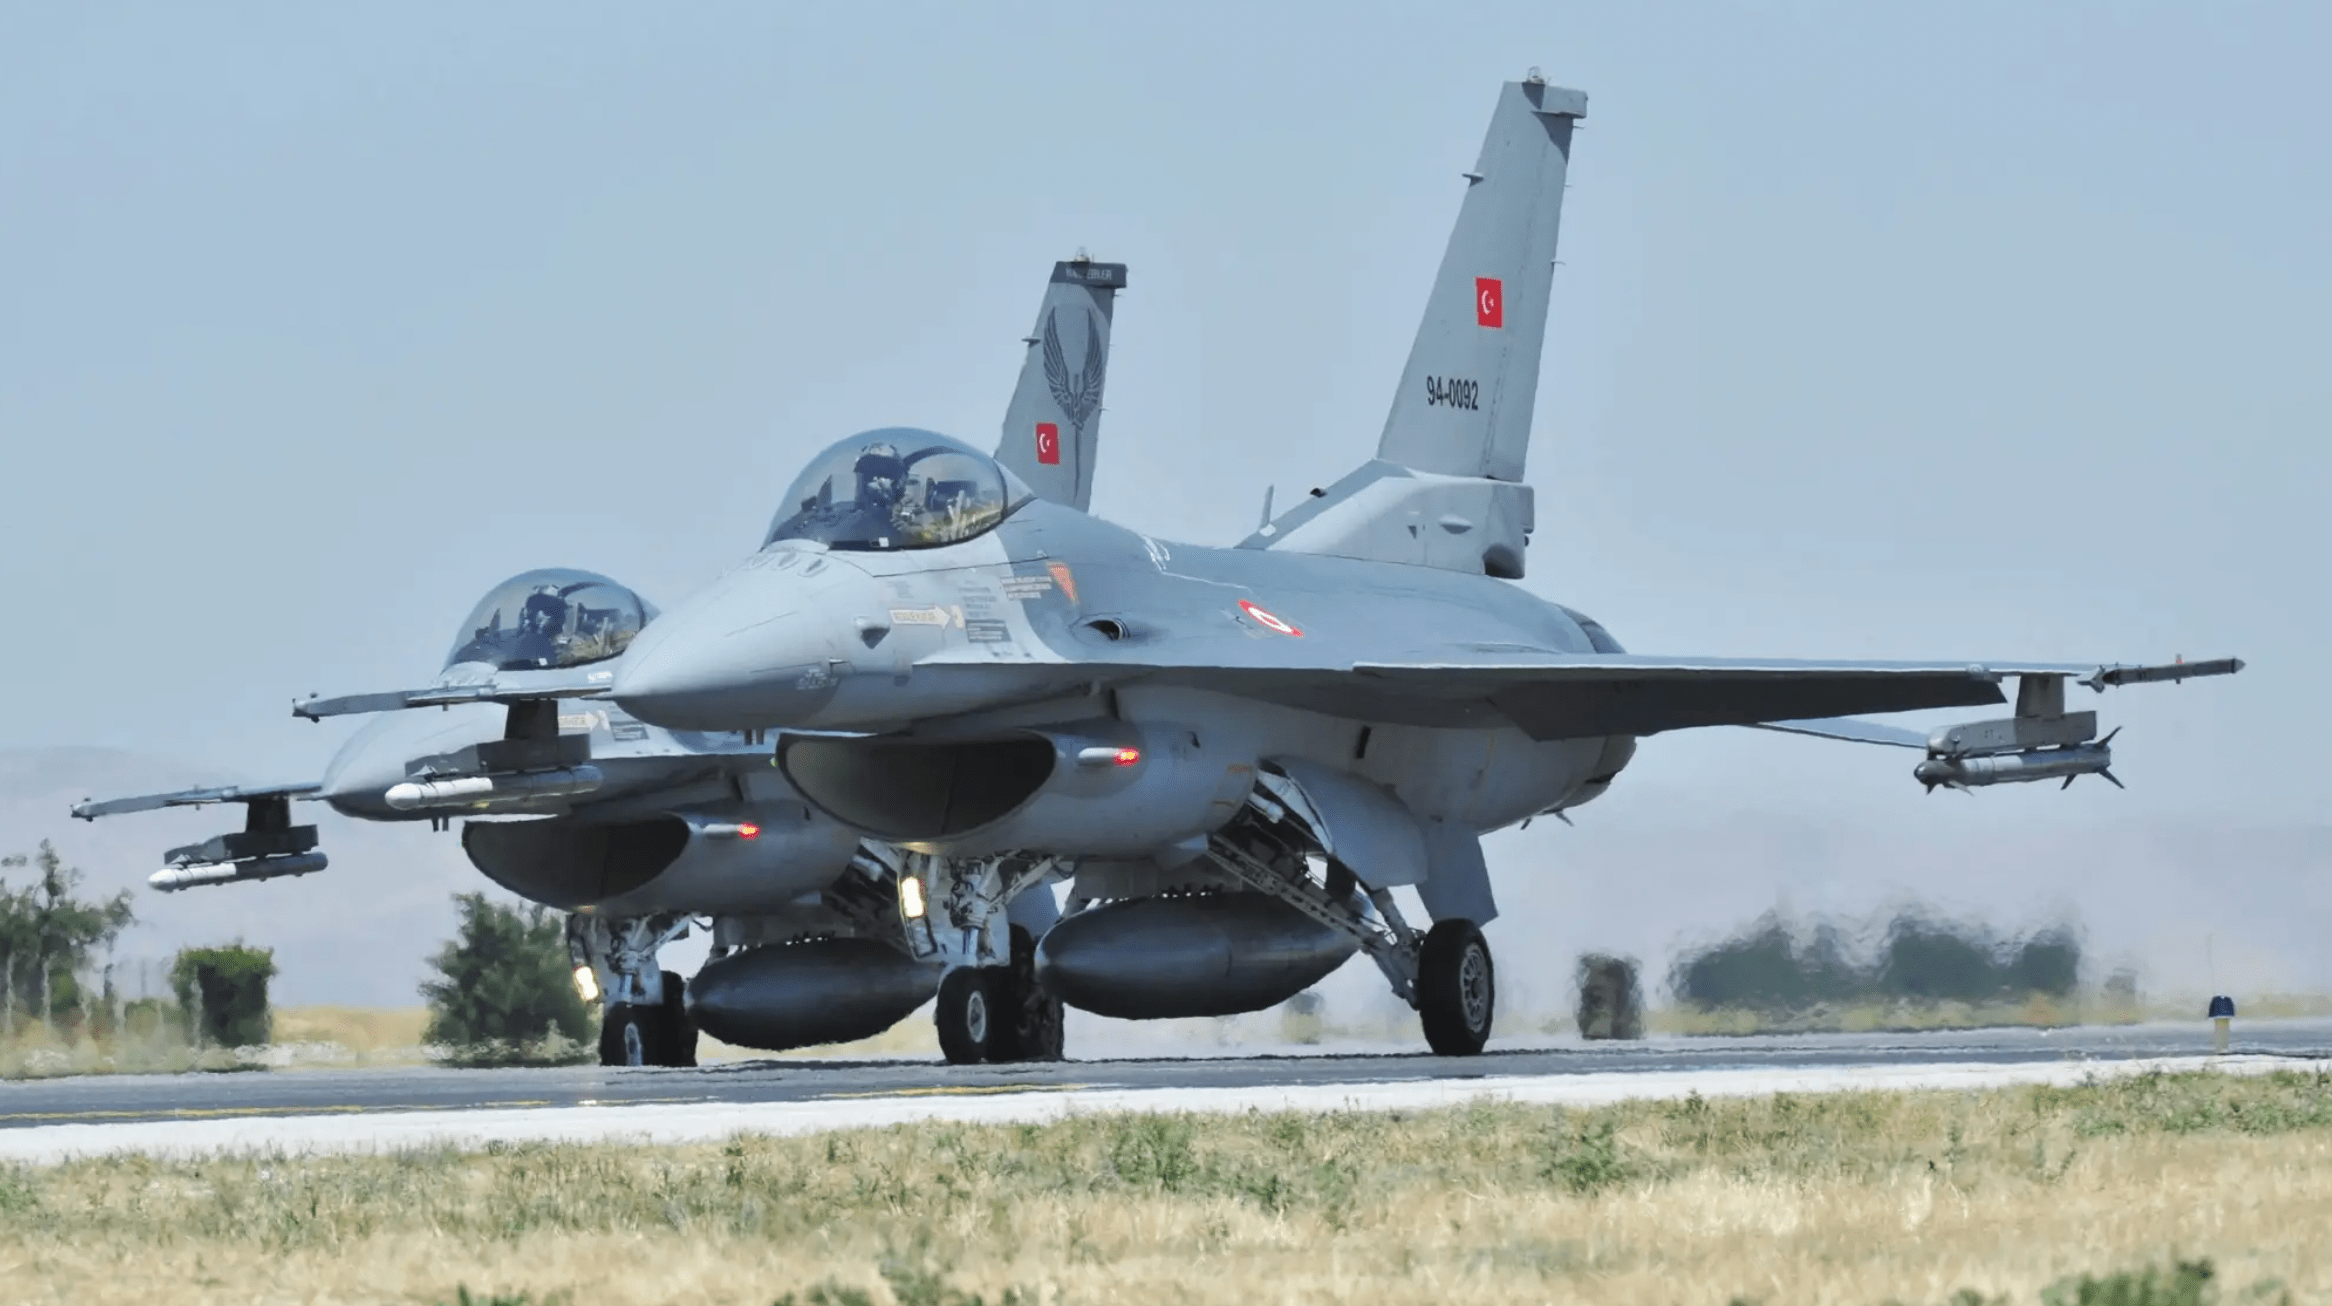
x: 1967, y: 330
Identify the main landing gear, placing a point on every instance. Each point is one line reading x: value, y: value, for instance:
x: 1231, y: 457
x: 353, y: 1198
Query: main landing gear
x: 645, y: 1034
x: 644, y: 1017
x: 1445, y: 973
x: 1457, y: 991
x: 990, y: 1007
x: 998, y: 1013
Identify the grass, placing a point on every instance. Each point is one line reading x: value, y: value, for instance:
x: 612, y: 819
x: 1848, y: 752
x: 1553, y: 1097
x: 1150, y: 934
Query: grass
x: 1851, y: 1198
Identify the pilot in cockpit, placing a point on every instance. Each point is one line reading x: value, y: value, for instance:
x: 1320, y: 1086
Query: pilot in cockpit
x: 540, y: 623
x: 882, y: 478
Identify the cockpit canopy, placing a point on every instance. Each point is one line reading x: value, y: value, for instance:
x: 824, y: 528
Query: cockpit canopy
x: 551, y: 618
x: 896, y: 488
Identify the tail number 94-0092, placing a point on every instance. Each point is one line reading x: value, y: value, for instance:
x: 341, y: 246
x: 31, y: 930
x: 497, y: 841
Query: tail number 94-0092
x: 1453, y: 392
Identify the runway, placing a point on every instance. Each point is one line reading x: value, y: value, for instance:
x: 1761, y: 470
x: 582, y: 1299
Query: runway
x: 336, y: 1110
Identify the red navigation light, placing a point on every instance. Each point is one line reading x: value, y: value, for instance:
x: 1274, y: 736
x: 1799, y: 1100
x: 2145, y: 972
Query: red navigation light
x: 1126, y: 756
x: 748, y: 830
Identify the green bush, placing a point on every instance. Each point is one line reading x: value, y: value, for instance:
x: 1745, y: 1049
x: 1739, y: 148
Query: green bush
x: 504, y: 987
x: 2185, y: 1284
x: 226, y: 989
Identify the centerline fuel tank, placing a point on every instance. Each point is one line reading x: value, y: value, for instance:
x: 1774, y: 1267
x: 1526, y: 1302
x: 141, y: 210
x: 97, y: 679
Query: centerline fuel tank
x: 797, y: 995
x: 1213, y: 954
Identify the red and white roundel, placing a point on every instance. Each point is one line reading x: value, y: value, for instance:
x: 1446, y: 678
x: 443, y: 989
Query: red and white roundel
x: 1268, y: 620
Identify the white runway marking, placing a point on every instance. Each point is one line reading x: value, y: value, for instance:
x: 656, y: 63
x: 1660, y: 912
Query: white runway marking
x: 711, y: 1122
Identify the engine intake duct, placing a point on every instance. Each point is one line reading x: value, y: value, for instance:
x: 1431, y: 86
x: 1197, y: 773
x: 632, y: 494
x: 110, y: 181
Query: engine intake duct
x: 1203, y: 955
x: 1101, y: 788
x: 797, y: 995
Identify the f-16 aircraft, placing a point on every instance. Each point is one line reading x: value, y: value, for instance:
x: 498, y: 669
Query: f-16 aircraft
x: 638, y: 829
x: 1238, y: 753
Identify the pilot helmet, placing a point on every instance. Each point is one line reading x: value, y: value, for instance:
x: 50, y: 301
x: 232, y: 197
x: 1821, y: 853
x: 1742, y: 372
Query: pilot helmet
x: 881, y: 473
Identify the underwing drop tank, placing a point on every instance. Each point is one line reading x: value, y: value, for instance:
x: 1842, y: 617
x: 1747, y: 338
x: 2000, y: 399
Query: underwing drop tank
x: 799, y: 995
x: 1161, y: 958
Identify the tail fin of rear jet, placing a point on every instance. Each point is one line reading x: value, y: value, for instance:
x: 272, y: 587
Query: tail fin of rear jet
x: 1052, y: 429
x: 1445, y: 488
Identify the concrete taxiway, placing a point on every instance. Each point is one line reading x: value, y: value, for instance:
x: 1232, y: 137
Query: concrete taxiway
x: 366, y: 1110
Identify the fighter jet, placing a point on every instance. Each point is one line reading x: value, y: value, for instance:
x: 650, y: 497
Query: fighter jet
x: 639, y: 830
x: 1239, y: 752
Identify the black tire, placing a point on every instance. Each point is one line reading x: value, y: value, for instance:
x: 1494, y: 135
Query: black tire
x: 966, y: 1015
x: 627, y: 1035
x: 677, y: 1028
x: 1457, y: 988
x: 1032, y: 1018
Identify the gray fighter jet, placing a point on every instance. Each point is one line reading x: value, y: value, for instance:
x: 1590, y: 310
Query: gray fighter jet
x: 1237, y: 753
x: 639, y: 830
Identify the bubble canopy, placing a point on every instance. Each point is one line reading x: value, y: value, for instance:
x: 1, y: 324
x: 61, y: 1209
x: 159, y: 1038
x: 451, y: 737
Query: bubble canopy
x: 896, y: 488
x: 556, y: 617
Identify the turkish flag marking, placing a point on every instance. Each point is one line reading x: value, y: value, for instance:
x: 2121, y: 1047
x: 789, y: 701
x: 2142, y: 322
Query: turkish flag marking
x: 1048, y: 443
x: 1489, y: 301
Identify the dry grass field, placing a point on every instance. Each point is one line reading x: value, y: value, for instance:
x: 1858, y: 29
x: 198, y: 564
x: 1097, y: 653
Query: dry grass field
x: 1850, y: 1198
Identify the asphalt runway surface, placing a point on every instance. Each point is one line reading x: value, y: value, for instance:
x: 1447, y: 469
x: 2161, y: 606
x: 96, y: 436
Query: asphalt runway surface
x: 255, y: 1096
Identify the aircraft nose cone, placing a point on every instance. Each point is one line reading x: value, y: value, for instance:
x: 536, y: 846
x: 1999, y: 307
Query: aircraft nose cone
x: 748, y: 654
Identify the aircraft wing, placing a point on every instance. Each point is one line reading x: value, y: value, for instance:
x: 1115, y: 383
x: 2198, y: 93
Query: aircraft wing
x: 90, y: 810
x: 502, y: 687
x: 1851, y: 731
x: 1555, y: 695
x: 268, y: 846
x: 1571, y: 696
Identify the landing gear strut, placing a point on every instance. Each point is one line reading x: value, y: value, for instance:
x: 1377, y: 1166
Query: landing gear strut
x: 644, y: 1018
x: 1445, y: 973
x: 990, y: 1006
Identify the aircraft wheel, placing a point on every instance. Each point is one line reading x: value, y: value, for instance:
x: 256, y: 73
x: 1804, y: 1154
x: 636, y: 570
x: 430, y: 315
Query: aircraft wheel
x: 677, y: 1028
x: 966, y: 1016
x: 627, y: 1035
x: 1030, y: 1024
x: 1457, y: 988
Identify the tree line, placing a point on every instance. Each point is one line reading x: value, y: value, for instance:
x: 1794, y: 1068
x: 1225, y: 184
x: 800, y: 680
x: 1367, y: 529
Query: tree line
x: 1779, y: 967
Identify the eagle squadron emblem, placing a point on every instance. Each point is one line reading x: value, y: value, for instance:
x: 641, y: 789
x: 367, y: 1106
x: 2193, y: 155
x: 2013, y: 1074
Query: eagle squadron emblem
x: 1081, y: 396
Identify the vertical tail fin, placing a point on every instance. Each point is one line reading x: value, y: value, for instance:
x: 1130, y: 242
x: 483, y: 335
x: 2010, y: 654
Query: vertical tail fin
x: 1465, y: 401
x: 1445, y: 489
x: 1052, y: 428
